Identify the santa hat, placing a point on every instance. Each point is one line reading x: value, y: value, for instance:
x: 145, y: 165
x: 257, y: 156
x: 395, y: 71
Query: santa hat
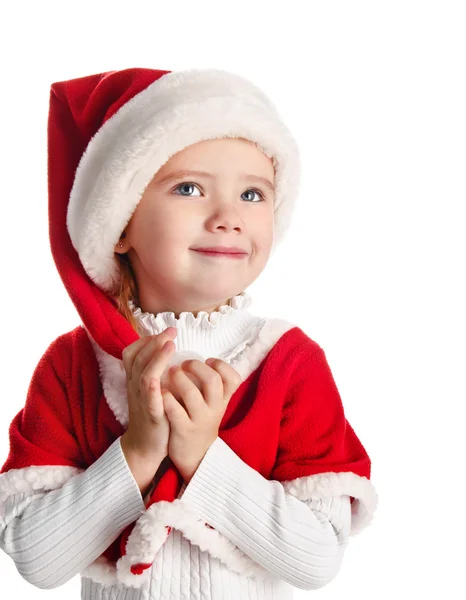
x: 108, y: 134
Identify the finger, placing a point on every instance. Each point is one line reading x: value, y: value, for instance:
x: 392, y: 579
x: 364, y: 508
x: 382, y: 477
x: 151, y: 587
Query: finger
x: 212, y: 384
x: 155, y: 402
x: 157, y: 364
x: 188, y: 391
x: 131, y: 352
x: 139, y: 358
x: 176, y: 414
x: 167, y: 383
x: 230, y: 376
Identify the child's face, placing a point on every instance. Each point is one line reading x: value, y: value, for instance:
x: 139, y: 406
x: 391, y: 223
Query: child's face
x: 175, y: 215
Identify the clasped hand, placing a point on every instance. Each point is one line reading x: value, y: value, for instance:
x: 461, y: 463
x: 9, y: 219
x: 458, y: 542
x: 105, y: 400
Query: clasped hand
x: 195, y: 413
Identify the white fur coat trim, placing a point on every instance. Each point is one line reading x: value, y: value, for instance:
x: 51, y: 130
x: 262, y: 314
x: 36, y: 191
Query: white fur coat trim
x: 176, y: 111
x: 150, y: 533
x: 323, y: 485
x: 34, y: 478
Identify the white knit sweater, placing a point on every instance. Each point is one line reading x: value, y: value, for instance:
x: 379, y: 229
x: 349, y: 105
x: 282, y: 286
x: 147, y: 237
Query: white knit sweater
x: 301, y: 544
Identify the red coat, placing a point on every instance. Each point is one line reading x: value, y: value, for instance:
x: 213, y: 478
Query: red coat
x: 286, y: 420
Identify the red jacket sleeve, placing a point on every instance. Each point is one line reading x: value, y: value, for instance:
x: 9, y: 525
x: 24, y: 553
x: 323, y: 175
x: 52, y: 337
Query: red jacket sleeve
x: 315, y: 436
x: 42, y: 432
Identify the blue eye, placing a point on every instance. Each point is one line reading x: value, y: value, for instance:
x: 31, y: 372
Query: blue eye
x: 261, y: 196
x: 187, y: 184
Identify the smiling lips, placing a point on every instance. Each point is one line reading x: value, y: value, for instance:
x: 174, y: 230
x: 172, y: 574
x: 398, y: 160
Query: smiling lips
x: 222, y: 251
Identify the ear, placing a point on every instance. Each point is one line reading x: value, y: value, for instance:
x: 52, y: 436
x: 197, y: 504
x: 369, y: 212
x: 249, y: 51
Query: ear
x: 122, y: 246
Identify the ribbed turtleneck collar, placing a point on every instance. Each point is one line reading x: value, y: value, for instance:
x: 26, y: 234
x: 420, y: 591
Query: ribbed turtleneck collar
x: 220, y: 334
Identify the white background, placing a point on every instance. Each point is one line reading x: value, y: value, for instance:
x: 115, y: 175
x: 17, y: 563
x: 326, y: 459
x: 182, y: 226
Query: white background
x: 373, y: 266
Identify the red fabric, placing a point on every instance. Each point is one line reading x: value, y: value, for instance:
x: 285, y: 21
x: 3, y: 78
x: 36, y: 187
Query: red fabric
x: 139, y: 568
x: 64, y: 399
x: 314, y: 431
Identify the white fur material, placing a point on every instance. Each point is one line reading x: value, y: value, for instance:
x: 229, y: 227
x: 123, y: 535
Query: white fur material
x: 148, y: 536
x: 150, y: 533
x: 101, y: 571
x: 34, y: 478
x: 176, y: 111
x: 323, y: 485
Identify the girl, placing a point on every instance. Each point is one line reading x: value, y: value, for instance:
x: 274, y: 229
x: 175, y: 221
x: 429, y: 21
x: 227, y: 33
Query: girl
x: 174, y: 444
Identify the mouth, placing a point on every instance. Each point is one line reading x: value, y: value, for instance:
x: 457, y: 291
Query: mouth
x: 221, y: 254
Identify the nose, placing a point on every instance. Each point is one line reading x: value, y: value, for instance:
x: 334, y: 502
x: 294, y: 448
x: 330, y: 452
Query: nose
x: 225, y: 217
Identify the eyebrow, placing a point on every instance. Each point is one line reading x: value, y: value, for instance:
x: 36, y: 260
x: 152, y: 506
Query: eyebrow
x: 183, y: 173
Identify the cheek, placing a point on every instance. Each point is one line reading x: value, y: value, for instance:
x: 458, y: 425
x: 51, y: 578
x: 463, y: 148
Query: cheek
x: 153, y: 220
x: 168, y: 232
x: 265, y: 230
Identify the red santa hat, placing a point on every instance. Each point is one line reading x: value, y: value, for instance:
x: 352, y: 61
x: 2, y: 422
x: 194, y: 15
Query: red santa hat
x: 108, y: 134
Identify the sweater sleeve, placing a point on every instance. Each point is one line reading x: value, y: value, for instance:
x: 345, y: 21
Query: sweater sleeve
x: 57, y: 512
x: 301, y: 542
x: 53, y: 535
x: 296, y: 523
